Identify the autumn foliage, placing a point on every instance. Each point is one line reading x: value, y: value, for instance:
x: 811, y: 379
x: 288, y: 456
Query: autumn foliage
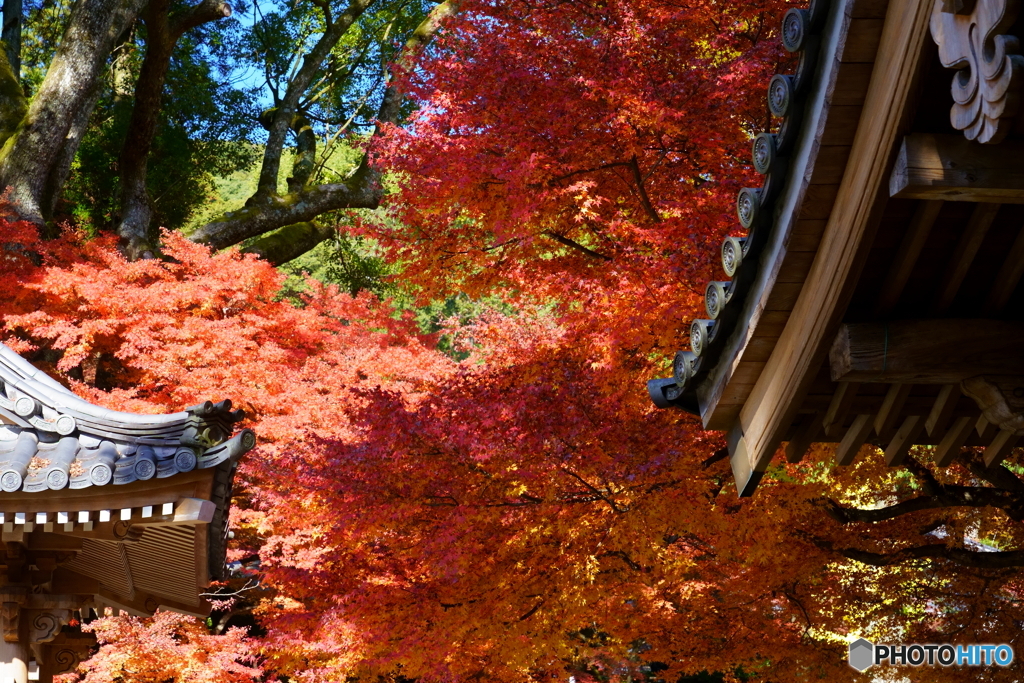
x: 524, y: 513
x: 167, y: 647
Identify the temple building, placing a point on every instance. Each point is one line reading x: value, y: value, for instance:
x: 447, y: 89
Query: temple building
x: 101, y: 509
x: 871, y: 292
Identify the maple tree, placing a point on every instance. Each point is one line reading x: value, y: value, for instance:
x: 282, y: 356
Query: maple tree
x: 166, y: 647
x: 524, y: 512
x: 497, y: 517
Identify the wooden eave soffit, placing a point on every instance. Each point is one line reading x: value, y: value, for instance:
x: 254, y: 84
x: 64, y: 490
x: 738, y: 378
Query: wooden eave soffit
x: 971, y: 36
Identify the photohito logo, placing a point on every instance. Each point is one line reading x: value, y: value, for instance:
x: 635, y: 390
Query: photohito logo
x: 864, y: 654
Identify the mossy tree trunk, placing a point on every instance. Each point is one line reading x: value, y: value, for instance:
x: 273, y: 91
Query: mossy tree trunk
x: 11, y: 35
x: 37, y: 141
x: 162, y: 33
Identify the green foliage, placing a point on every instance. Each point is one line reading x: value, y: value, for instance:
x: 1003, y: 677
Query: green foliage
x: 355, y: 264
x: 349, y: 85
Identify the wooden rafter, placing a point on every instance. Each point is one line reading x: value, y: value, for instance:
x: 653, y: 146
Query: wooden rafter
x: 892, y: 406
x: 953, y: 441
x: 839, y: 407
x: 941, y: 412
x: 829, y: 285
x: 1000, y: 447
x: 910, y: 249
x: 854, y: 438
x: 905, y: 437
x: 963, y: 255
x: 805, y: 435
x: 985, y: 429
x: 1007, y: 278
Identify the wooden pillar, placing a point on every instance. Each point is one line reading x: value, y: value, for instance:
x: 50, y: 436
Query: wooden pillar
x: 14, y: 662
x: 44, y: 659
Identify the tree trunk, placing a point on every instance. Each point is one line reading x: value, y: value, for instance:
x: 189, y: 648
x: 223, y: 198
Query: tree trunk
x: 61, y: 168
x: 11, y: 35
x: 136, y: 211
x: 13, y: 104
x: 161, y: 36
x: 29, y: 155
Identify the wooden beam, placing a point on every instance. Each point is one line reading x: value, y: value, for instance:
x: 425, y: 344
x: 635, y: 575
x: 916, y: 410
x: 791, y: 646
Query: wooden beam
x: 186, y: 511
x: 910, y: 249
x: 942, y: 410
x: 805, y: 435
x: 952, y: 168
x: 953, y: 441
x: 926, y: 351
x: 835, y: 416
x: 1000, y: 447
x: 892, y: 405
x: 1008, y: 277
x: 855, y: 216
x: 963, y: 256
x: 905, y: 437
x: 854, y: 438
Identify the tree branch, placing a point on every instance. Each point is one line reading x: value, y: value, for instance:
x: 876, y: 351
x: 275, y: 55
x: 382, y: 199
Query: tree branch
x: 290, y: 242
x: 361, y: 192
x: 363, y: 189
x: 562, y: 239
x: 197, y: 15
x: 1012, y: 503
x: 999, y: 476
x: 929, y: 484
x: 994, y: 560
x: 638, y: 177
x: 589, y: 170
x: 597, y: 492
x: 299, y: 83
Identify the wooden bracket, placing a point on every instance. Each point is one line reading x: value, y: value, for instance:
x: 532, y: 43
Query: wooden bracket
x: 10, y: 612
x: 1001, y: 400
x: 971, y: 36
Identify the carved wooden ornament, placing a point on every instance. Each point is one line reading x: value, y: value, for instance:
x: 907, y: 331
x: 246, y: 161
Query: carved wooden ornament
x: 986, y: 89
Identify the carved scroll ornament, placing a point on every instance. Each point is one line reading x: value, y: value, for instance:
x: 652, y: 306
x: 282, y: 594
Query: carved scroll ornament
x: 986, y: 88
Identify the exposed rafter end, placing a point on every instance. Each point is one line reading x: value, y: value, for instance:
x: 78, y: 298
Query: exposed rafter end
x: 745, y: 476
x: 854, y: 438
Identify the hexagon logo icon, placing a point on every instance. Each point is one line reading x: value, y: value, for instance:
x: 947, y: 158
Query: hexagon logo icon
x: 862, y: 654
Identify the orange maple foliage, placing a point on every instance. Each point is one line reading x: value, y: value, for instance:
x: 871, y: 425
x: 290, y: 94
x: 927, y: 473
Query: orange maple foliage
x: 522, y: 514
x: 165, y: 647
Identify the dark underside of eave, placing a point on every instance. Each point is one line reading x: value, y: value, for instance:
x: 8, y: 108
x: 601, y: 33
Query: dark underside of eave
x: 918, y: 299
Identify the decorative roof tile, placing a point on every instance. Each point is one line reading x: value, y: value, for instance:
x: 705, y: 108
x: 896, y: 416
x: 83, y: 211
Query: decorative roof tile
x: 50, y: 439
x: 801, y: 29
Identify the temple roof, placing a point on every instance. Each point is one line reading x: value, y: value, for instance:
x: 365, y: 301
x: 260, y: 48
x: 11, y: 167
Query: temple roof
x: 746, y: 257
x: 135, y: 506
x: 876, y: 297
x: 51, y: 439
